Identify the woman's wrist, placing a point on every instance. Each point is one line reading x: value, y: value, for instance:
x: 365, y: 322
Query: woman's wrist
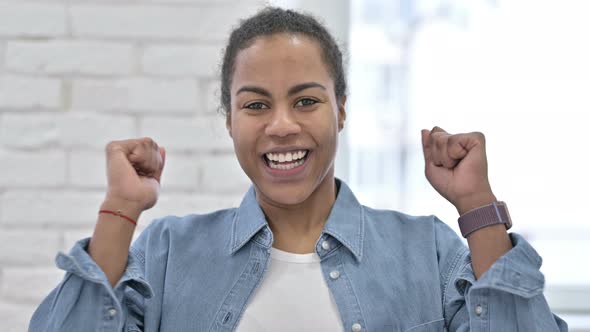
x: 127, y: 208
x: 474, y: 202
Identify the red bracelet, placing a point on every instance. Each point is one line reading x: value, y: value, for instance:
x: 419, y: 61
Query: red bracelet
x: 118, y: 213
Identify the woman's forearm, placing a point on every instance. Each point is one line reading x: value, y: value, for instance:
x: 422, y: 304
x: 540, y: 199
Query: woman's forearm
x: 109, y: 246
x: 486, y: 246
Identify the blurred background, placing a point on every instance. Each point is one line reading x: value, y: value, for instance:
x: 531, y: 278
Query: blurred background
x: 77, y: 74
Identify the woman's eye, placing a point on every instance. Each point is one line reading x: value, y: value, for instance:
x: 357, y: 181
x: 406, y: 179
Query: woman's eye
x: 256, y: 106
x: 305, y: 102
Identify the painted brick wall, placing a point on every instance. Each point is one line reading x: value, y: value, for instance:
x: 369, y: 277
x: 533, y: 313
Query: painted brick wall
x: 77, y: 74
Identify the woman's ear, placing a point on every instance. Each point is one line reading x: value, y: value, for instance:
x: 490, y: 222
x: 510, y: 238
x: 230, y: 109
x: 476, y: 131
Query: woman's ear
x: 341, y: 112
x: 228, y: 123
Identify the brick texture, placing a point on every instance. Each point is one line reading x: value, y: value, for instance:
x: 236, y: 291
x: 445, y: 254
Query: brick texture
x: 52, y: 208
x: 28, y: 247
x: 223, y: 174
x: 20, y: 19
x: 157, y: 22
x: 190, y: 134
x: 65, y: 130
x: 21, y: 92
x: 136, y: 95
x: 70, y: 57
x: 181, y: 60
x: 32, y: 169
x: 39, y: 282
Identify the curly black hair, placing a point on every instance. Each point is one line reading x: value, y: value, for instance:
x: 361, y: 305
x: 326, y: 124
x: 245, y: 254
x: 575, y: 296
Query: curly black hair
x: 273, y: 20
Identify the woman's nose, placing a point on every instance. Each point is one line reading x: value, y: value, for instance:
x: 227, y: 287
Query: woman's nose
x: 282, y: 123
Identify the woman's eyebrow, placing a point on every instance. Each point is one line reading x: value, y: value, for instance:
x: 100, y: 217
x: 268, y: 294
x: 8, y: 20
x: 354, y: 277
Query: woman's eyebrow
x: 255, y: 89
x: 300, y: 87
x: 293, y: 90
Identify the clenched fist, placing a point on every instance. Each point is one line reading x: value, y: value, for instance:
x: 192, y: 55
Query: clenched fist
x: 457, y: 167
x: 134, y: 170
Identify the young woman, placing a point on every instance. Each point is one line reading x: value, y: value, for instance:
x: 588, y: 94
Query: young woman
x: 300, y: 253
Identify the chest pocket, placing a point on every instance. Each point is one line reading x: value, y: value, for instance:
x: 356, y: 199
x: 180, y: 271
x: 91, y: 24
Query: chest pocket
x: 433, y: 326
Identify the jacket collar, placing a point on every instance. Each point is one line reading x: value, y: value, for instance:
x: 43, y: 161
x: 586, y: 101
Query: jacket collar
x: 248, y: 221
x: 345, y: 222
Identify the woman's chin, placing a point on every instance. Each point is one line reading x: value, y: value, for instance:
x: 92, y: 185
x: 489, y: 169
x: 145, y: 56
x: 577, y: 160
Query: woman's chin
x: 283, y: 195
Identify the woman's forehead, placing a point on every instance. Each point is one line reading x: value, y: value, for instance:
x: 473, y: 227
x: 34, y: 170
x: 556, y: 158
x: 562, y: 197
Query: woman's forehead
x: 280, y: 57
x: 281, y: 40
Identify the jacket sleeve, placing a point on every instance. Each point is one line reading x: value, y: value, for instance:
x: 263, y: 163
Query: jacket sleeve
x: 85, y: 300
x: 507, y: 297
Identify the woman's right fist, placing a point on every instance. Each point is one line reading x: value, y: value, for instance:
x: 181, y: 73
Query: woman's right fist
x: 134, y: 169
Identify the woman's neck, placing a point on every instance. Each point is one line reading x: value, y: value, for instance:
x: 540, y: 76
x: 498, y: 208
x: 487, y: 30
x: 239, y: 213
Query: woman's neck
x: 296, y: 228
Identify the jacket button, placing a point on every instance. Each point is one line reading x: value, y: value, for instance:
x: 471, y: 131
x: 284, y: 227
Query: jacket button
x: 326, y: 245
x: 478, y: 310
x: 112, y: 312
x: 334, y: 274
x: 356, y: 327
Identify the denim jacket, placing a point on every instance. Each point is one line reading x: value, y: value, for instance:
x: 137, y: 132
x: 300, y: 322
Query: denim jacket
x: 396, y: 273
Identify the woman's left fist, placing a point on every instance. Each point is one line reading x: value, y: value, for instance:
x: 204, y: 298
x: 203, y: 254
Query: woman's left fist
x: 457, y: 168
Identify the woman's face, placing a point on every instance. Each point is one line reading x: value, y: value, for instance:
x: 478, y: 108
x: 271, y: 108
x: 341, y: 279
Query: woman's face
x: 285, y: 117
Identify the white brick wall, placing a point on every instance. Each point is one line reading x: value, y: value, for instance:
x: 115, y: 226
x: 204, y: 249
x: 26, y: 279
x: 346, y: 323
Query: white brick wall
x: 70, y: 57
x: 28, y: 247
x: 20, y: 20
x: 32, y: 169
x: 209, y: 22
x: 181, y: 61
x: 179, y: 133
x: 138, y: 95
x: 42, y: 208
x: 36, y: 280
x: 222, y: 173
x: 20, y: 92
x: 14, y: 315
x: 77, y: 74
x: 75, y: 129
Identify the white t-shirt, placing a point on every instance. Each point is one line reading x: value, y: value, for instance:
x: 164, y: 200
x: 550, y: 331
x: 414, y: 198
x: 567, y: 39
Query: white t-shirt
x: 293, y: 296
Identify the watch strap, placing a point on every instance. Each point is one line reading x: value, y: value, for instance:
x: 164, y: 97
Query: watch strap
x: 487, y: 215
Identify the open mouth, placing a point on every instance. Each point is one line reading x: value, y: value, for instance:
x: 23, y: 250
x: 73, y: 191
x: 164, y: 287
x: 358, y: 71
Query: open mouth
x: 286, y: 160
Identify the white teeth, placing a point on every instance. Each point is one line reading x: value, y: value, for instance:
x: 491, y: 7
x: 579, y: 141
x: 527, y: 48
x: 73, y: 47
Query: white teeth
x: 274, y: 165
x: 287, y: 160
x: 286, y: 157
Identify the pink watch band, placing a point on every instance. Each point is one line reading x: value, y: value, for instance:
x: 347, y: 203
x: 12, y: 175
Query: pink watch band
x: 488, y: 215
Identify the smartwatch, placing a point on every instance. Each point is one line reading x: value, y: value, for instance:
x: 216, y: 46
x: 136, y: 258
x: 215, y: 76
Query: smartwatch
x: 487, y: 215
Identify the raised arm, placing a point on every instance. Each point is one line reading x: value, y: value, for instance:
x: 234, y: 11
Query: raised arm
x: 456, y: 166
x: 90, y: 295
x: 134, y: 169
x: 497, y: 284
